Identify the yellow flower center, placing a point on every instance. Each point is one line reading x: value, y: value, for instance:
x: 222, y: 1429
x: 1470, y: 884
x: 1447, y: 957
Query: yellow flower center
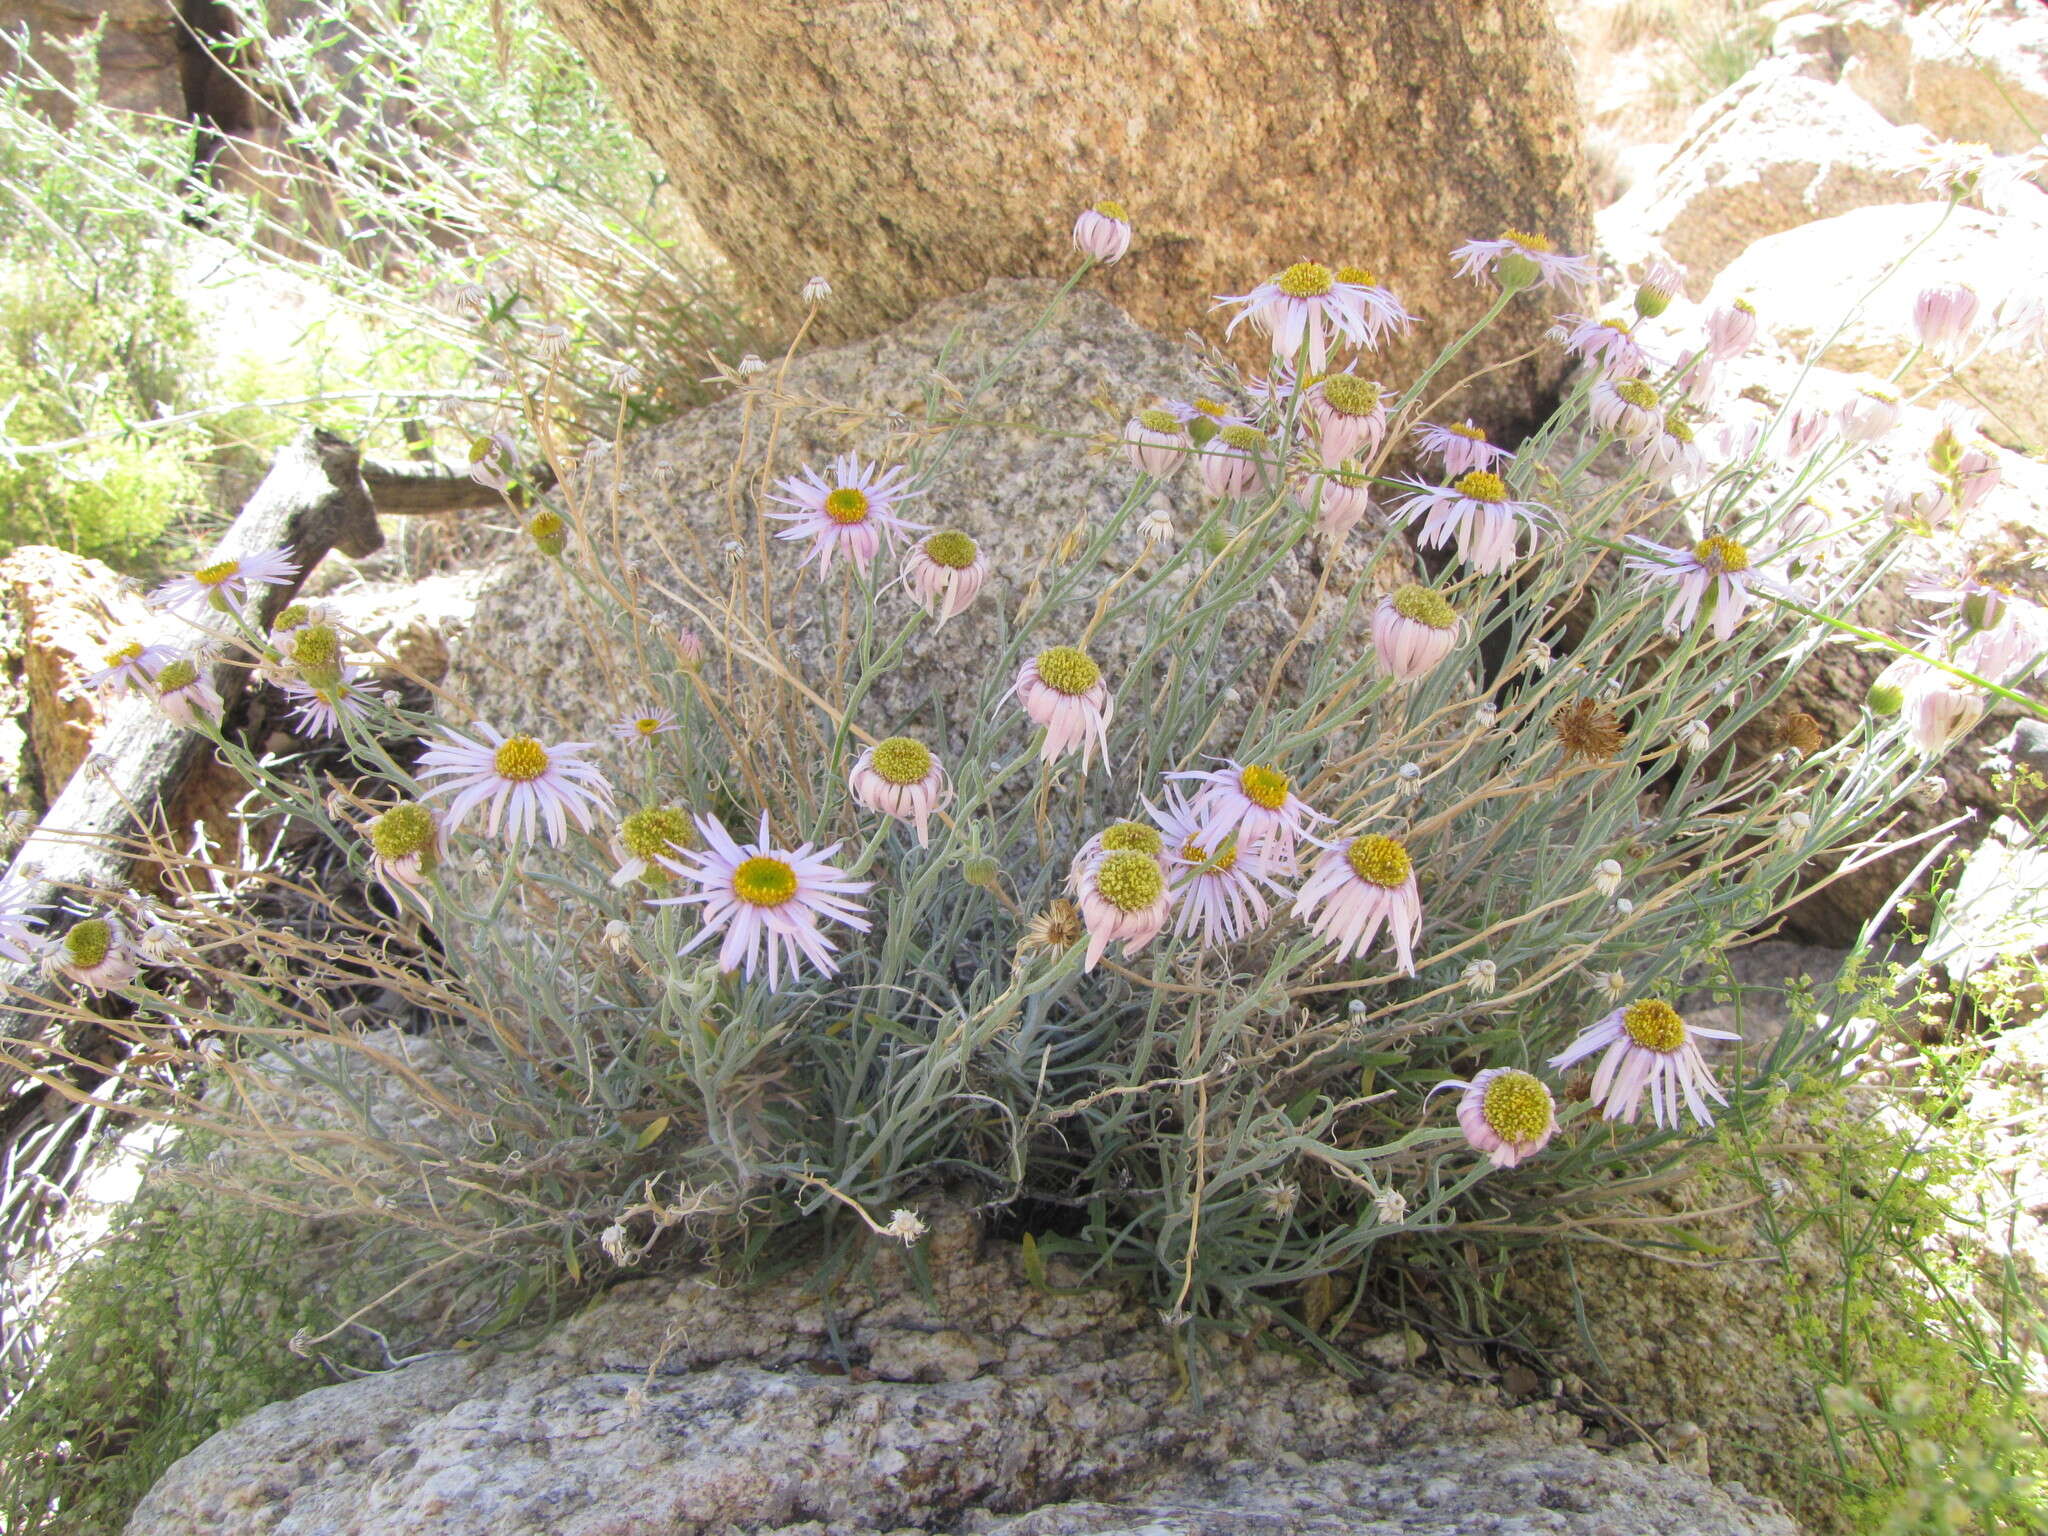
x: 1481, y: 485
x: 546, y: 528
x: 1676, y: 428
x: 648, y: 725
x: 1379, y: 861
x: 1131, y: 837
x: 1158, y: 421
x: 1244, y: 439
x: 1068, y: 671
x: 521, y: 759
x: 1264, y: 787
x: 1882, y: 397
x: 1304, y: 280
x: 952, y: 549
x: 1222, y: 864
x: 764, y: 882
x: 1721, y: 554
x: 1359, y: 275
x: 1349, y: 395
x: 1654, y: 1025
x: 847, y: 505
x: 1526, y: 241
x: 125, y: 654
x: 1616, y: 325
x: 1637, y: 394
x: 175, y: 675
x: 902, y: 760
x: 658, y: 830
x: 402, y: 831
x: 213, y: 575
x: 1466, y: 430
x: 1129, y: 881
x: 88, y: 942
x: 1516, y: 1107
x: 1350, y: 476
x: 1215, y: 408
x: 291, y: 616
x: 1744, y: 305
x: 316, y: 648
x: 1425, y: 606
x: 1112, y: 210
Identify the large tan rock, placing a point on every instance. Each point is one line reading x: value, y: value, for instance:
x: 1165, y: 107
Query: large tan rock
x: 137, y: 53
x: 910, y: 153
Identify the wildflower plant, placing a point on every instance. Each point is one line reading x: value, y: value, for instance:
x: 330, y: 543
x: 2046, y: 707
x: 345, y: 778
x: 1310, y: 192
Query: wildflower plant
x: 1155, y: 926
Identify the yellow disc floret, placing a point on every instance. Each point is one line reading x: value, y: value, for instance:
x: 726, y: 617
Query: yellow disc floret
x: 1304, y: 280
x: 1362, y: 276
x: 1131, y: 837
x: 1637, y: 394
x: 1466, y: 430
x: 402, y: 832
x: 847, y: 505
x: 88, y: 942
x: 1265, y: 787
x: 521, y: 759
x: 1067, y: 670
x: 1654, y: 1025
x: 1349, y: 395
x: 764, y: 882
x: 1110, y: 209
x: 655, y: 832
x: 1222, y: 864
x: 126, y: 653
x: 1527, y: 241
x: 1129, y: 881
x: 1516, y: 1107
x: 182, y: 673
x: 1213, y: 408
x: 902, y: 760
x: 1379, y: 861
x: 316, y: 648
x: 213, y: 575
x: 952, y: 549
x: 1424, y: 605
x: 1721, y: 554
x: 1156, y: 420
x: 1674, y: 426
x: 1244, y: 439
x: 1481, y: 485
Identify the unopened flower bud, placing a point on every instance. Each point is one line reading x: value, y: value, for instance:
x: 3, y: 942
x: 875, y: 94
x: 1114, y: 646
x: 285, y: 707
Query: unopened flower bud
x: 980, y: 870
x: 1658, y: 288
x: 549, y: 532
x: 689, y: 648
x: 1884, y: 699
x: 1607, y: 877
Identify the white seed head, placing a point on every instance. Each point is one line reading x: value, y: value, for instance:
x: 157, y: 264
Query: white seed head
x: 905, y: 1227
x: 1538, y: 656
x: 1795, y: 827
x: 1487, y: 713
x: 1623, y: 906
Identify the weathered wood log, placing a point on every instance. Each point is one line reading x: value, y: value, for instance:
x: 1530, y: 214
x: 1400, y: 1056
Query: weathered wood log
x: 313, y: 500
x: 422, y: 489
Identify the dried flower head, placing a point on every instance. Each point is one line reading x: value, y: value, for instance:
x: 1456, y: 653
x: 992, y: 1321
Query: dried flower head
x: 1588, y: 730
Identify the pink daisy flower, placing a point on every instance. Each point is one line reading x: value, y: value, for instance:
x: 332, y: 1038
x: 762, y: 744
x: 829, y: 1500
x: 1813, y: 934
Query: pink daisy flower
x: 1943, y: 316
x: 645, y: 838
x: 1939, y: 708
x: 1717, y: 567
x: 1103, y: 233
x: 225, y: 585
x: 1063, y: 690
x: 1231, y: 462
x: 1358, y: 886
x: 757, y: 897
x: 1304, y: 307
x: 644, y: 726
x: 1413, y: 630
x: 185, y: 693
x: 1463, y: 448
x: 407, y: 843
x: 318, y: 708
x: 1217, y: 893
x: 1156, y: 440
x: 1380, y: 314
x: 945, y: 574
x: 1350, y: 417
x: 1802, y: 433
x: 1731, y: 331
x: 1627, y: 408
x: 522, y: 782
x: 853, y: 511
x: 1477, y: 510
x: 1117, y: 837
x: 96, y: 953
x: 1204, y: 417
x: 1520, y: 260
x: 1670, y: 455
x: 1867, y: 415
x: 1609, y: 344
x: 1648, y: 1045
x: 1346, y: 494
x: 130, y: 668
x: 1254, y: 804
x: 18, y: 921
x: 902, y: 778
x: 1506, y: 1113
x: 1123, y: 899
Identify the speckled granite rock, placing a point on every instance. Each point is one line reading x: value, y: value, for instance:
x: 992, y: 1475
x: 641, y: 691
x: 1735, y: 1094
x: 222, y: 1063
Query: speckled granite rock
x: 684, y: 1409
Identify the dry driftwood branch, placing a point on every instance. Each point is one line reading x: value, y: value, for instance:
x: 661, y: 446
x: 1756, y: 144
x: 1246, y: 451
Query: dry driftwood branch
x: 313, y: 500
x: 422, y: 488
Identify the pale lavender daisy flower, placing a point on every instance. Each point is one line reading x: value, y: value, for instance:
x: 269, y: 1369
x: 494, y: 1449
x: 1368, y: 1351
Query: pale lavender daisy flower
x: 1943, y: 317
x: 522, y: 782
x: 945, y: 574
x: 1103, y: 233
x: 130, y: 668
x: 95, y: 952
x: 1123, y: 899
x: 185, y: 693
x: 407, y: 843
x: 1627, y: 408
x: 853, y: 510
x: 1731, y: 331
x: 1350, y: 416
x: 18, y: 921
x: 1803, y: 430
x: 757, y: 896
x: 1609, y: 344
x: 1518, y: 260
x: 1938, y: 708
x: 644, y: 726
x: 901, y: 778
x: 1346, y: 496
x: 318, y: 708
x: 1380, y: 314
x: 1358, y: 886
x: 223, y: 586
x: 1216, y: 891
x: 1230, y: 461
x: 1254, y: 804
x: 1463, y: 447
x: 1062, y: 689
x: 1648, y: 1045
x: 1671, y: 455
x: 1303, y: 307
x: 1117, y: 837
x: 1867, y: 416
x: 1977, y: 474
x: 1506, y: 1113
x: 1478, y: 511
x: 1413, y: 630
x: 1717, y: 571
x: 1156, y: 440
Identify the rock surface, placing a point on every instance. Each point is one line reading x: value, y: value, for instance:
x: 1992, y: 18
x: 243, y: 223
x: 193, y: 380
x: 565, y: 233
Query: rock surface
x: 137, y: 54
x: 687, y: 1409
x: 911, y: 154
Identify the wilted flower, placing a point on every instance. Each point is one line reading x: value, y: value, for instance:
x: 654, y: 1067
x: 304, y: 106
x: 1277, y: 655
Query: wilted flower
x: 1671, y: 454
x: 1229, y: 462
x: 1480, y: 977
x: 1358, y: 885
x: 1123, y: 898
x: 1156, y: 440
x: 1867, y: 416
x: 1607, y: 877
x: 1731, y: 330
x: 1462, y: 447
x: 18, y: 921
x: 645, y: 838
x: 1801, y: 732
x: 319, y: 708
x: 1795, y: 827
x: 1716, y: 572
x: 689, y: 648
x: 1943, y: 316
x: 551, y: 341
x: 1696, y: 382
x: 1804, y: 429
x: 1939, y: 708
x: 750, y: 365
x: 406, y: 843
x: 1608, y: 343
x: 185, y: 693
x: 1518, y: 260
x: 472, y: 301
x: 95, y: 953
x: 1053, y: 931
x: 1413, y: 630
x: 1062, y: 689
x: 758, y: 896
x: 225, y: 585
x: 853, y: 510
x: 1254, y: 803
x: 522, y: 782
x: 1648, y: 1045
x: 1588, y: 730
x: 1610, y: 984
x: 1478, y: 511
x: 645, y: 726
x: 815, y: 290
x: 945, y: 573
x: 1976, y: 475
x: 618, y: 937
x: 1918, y: 501
x: 130, y: 668
x: 1625, y: 407
x: 1505, y: 1113
x: 1350, y: 416
x: 901, y: 777
x: 1346, y: 493
x: 1156, y: 526
x: 625, y: 378
x: 1103, y: 233
x: 1216, y: 890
